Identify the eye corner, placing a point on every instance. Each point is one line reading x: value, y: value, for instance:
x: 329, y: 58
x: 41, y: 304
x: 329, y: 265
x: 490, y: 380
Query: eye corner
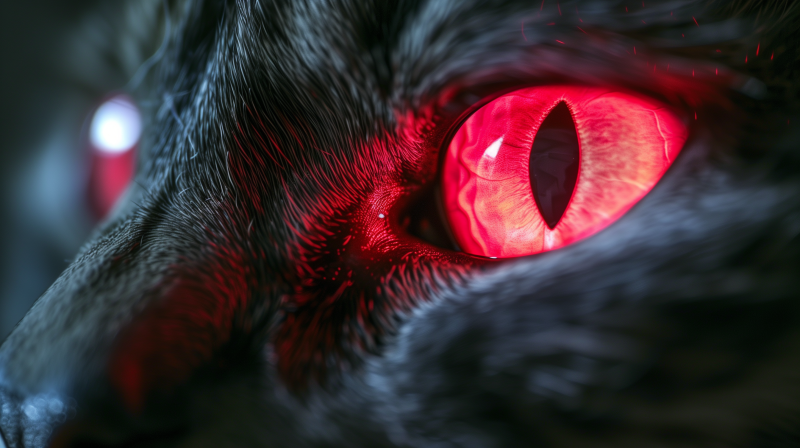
x: 422, y: 217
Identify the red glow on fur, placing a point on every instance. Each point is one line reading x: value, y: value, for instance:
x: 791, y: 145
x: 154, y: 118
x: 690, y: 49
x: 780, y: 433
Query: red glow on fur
x: 351, y: 272
x: 183, y: 330
x: 626, y: 144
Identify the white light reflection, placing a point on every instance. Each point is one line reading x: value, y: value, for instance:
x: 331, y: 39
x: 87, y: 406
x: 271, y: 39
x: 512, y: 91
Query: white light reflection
x: 116, y: 125
x: 491, y: 151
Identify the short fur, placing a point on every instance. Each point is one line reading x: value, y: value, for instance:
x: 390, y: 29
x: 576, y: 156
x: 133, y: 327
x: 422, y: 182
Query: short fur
x: 244, y: 294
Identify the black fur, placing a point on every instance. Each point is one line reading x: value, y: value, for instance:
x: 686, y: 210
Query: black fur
x: 272, y: 126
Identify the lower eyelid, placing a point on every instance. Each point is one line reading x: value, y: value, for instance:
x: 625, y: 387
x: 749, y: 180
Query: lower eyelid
x: 627, y: 142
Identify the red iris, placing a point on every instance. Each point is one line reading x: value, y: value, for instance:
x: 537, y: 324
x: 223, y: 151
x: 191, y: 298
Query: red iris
x: 542, y: 167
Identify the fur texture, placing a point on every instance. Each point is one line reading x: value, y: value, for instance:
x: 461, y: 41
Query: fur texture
x: 245, y: 293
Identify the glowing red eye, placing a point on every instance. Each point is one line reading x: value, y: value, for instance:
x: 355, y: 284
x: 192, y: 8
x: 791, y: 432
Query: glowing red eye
x: 542, y: 167
x: 113, y: 136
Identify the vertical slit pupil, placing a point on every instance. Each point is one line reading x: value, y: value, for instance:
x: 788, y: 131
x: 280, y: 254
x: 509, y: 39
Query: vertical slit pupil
x: 554, y: 164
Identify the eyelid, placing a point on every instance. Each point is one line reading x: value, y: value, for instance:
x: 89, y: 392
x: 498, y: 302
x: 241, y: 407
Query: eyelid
x: 667, y: 93
x: 627, y: 141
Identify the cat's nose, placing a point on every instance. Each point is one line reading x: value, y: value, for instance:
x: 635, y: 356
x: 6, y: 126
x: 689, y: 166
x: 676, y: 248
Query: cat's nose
x: 28, y: 422
x: 9, y: 419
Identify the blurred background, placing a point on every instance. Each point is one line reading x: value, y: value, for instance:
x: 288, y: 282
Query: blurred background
x: 45, y: 166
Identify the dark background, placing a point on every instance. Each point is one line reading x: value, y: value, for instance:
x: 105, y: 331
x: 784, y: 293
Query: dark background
x: 43, y: 217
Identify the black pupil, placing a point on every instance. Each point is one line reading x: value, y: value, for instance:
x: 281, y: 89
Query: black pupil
x: 554, y: 164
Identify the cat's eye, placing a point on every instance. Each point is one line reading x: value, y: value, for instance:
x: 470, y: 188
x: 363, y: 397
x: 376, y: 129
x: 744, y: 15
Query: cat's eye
x: 113, y: 135
x: 543, y: 167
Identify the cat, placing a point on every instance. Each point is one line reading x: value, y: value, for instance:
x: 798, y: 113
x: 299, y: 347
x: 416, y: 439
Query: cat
x: 279, y: 272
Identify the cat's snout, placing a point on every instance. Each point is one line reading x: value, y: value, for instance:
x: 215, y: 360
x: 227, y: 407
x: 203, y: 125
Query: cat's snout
x: 28, y: 422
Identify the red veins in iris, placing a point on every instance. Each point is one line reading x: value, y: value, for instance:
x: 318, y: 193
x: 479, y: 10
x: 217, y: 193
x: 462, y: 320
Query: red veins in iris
x: 626, y: 143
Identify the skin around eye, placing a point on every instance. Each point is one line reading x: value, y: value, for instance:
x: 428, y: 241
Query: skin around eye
x: 491, y: 195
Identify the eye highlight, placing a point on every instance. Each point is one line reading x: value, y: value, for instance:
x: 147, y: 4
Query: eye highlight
x: 543, y: 167
x: 113, y: 136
